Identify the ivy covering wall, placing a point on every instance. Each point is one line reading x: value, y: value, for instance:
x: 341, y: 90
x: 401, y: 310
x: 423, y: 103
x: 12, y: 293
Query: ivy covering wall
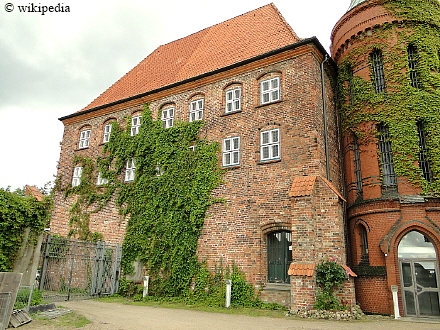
x: 16, y: 214
x: 175, y: 173
x: 401, y: 106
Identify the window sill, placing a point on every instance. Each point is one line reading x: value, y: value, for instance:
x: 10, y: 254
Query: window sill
x: 230, y: 113
x: 232, y: 167
x: 78, y: 149
x: 270, y: 103
x: 269, y: 161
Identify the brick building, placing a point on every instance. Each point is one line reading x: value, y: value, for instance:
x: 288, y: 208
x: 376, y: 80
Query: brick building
x: 393, y: 215
x: 269, y: 100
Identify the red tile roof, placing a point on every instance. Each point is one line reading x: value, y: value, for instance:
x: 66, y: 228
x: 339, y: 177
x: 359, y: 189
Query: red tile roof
x: 238, y: 39
x: 33, y: 191
x: 296, y: 269
x: 303, y: 186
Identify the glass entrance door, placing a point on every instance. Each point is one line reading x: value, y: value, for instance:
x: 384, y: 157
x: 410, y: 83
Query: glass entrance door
x: 420, y: 287
x: 419, y: 275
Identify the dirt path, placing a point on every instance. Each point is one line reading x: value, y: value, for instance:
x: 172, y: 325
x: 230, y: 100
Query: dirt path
x: 114, y: 316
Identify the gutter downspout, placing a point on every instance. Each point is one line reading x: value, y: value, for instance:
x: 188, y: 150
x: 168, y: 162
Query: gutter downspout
x: 324, y: 113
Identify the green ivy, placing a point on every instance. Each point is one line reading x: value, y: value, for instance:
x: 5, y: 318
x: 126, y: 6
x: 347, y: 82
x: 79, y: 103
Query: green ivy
x: 401, y: 106
x: 329, y: 276
x: 16, y: 214
x: 166, y: 203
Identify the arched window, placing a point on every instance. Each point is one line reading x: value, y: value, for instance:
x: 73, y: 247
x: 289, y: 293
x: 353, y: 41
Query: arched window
x: 364, y: 245
x: 377, y: 71
x: 423, y: 153
x: 386, y: 155
x: 279, y: 255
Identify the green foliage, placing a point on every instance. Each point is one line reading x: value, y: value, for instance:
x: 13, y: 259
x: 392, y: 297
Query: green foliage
x: 329, y: 276
x: 130, y: 289
x: 16, y: 214
x: 401, y: 106
x: 23, y: 298
x: 166, y: 203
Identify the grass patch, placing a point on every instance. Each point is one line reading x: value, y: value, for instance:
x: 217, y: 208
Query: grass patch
x: 72, y: 320
x: 275, y: 311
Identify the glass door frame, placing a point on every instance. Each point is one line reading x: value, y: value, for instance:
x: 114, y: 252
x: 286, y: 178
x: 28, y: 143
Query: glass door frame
x: 413, y: 288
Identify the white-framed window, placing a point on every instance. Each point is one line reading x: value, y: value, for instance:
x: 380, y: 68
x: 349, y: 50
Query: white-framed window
x: 130, y: 170
x: 270, y: 90
x: 84, y: 139
x: 192, y: 148
x: 168, y: 117
x: 159, y: 170
x: 233, y: 100
x: 100, y: 181
x: 231, y: 151
x: 135, y: 124
x: 196, y: 110
x: 106, y: 133
x: 76, y: 179
x: 270, y: 144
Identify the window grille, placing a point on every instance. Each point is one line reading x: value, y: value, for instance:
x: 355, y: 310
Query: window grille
x: 231, y: 151
x: 84, y: 139
x: 270, y: 90
x: 196, y: 110
x: 168, y: 118
x: 378, y: 71
x: 364, y: 243
x: 270, y: 144
x: 233, y: 100
x: 412, y: 64
x: 135, y: 124
x: 386, y: 155
x: 357, y: 167
x: 423, y: 153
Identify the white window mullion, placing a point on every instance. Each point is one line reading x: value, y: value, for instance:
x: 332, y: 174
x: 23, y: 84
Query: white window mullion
x: 196, y: 110
x: 270, y: 90
x: 233, y: 100
x: 76, y: 179
x: 231, y: 151
x: 270, y: 144
x: 107, y: 132
x: 84, y: 139
x: 130, y: 170
x: 168, y: 118
x: 135, y: 124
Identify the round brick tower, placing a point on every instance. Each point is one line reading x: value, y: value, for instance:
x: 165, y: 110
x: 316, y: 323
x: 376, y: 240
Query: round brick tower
x: 388, y: 55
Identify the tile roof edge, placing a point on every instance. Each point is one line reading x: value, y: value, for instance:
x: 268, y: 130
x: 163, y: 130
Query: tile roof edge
x: 301, y: 42
x: 332, y: 187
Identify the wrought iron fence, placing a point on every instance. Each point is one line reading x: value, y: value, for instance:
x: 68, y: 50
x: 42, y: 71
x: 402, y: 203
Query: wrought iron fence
x: 71, y: 269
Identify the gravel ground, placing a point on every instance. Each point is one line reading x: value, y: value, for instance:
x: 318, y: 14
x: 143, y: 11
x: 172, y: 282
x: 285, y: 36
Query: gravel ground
x: 115, y: 316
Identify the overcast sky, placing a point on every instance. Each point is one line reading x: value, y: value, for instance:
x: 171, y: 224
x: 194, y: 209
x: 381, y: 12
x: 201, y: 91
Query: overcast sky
x: 55, y: 64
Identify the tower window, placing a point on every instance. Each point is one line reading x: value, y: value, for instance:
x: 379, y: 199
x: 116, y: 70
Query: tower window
x: 386, y: 155
x: 357, y: 167
x: 377, y: 71
x: 423, y: 153
x: 412, y: 64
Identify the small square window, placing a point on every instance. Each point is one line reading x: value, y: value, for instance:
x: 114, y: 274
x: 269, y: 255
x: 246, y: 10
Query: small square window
x: 231, y: 151
x: 270, y: 144
x: 84, y: 139
x: 196, y: 110
x: 233, y: 100
x: 135, y: 124
x: 130, y: 170
x: 76, y: 179
x: 100, y: 181
x: 106, y: 133
x: 168, y: 117
x: 270, y: 90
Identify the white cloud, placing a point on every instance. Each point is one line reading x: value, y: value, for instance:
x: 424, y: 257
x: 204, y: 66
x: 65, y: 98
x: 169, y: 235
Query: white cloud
x: 55, y: 64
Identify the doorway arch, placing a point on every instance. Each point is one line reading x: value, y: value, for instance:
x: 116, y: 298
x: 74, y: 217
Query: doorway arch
x: 419, y: 275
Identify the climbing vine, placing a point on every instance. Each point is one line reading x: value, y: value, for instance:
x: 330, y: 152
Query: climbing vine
x: 166, y: 203
x: 16, y: 214
x: 402, y: 105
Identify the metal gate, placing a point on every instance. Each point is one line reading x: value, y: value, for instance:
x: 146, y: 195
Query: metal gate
x: 77, y: 270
